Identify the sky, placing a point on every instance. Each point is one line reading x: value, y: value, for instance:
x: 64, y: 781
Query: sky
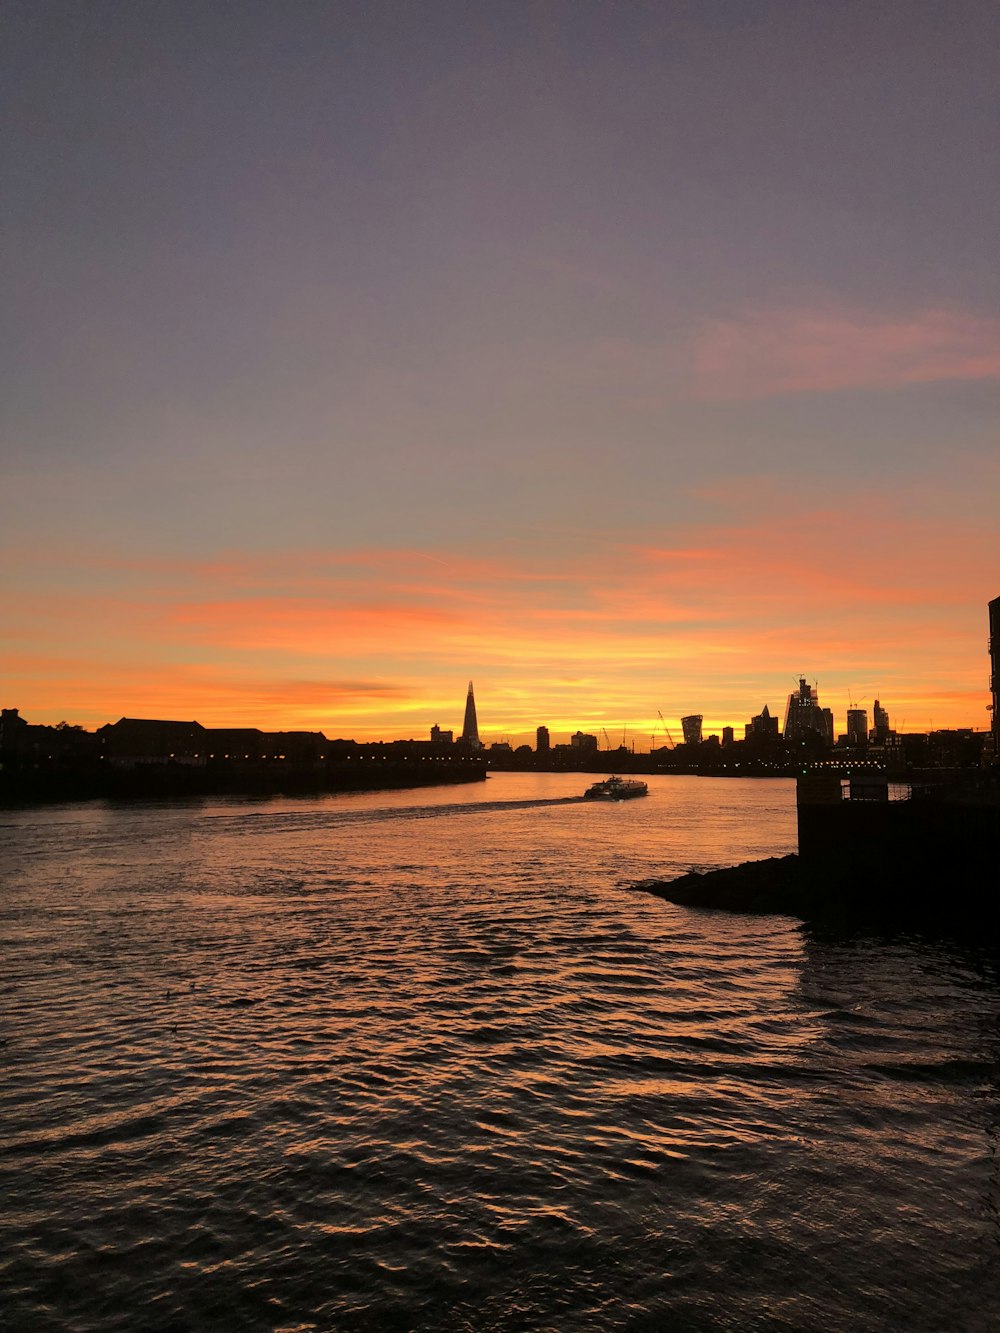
x: 626, y: 358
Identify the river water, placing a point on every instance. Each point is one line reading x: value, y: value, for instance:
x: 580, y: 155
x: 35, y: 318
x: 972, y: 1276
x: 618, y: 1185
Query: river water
x: 420, y: 1060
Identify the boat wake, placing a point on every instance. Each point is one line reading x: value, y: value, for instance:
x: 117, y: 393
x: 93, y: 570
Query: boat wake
x: 271, y: 820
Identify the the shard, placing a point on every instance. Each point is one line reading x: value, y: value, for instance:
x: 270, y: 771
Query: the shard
x: 470, y: 727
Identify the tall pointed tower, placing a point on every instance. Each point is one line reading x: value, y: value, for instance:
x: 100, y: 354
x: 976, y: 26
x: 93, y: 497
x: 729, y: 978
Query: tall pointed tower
x: 470, y: 727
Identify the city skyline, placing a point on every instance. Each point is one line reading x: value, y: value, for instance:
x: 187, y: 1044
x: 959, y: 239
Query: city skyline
x: 855, y: 730
x: 626, y: 359
x: 512, y: 709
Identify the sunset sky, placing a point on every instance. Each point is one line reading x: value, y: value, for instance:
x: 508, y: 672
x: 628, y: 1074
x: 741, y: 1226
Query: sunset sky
x: 621, y: 357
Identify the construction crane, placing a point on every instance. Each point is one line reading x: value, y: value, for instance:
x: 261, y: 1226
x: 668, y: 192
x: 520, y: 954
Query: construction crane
x: 666, y: 731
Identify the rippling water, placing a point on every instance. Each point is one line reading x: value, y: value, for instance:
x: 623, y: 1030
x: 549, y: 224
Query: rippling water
x: 419, y: 1060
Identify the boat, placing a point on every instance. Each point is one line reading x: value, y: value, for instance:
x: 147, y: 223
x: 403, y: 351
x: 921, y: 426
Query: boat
x: 616, y: 789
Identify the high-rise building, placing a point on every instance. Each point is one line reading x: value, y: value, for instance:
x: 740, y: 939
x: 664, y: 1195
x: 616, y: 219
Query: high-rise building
x: 542, y: 741
x: 995, y: 672
x: 691, y: 726
x: 881, y: 731
x: 763, y: 727
x: 580, y: 740
x: 728, y: 735
x: 804, y: 717
x: 857, y: 726
x: 470, y: 727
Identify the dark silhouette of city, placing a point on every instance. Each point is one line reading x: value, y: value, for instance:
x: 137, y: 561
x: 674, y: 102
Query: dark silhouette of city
x: 159, y: 756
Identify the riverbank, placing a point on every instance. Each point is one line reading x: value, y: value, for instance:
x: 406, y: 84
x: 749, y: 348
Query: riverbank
x: 183, y: 782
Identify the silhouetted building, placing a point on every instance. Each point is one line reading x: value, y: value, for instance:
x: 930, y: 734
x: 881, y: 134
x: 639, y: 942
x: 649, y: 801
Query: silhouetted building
x: 28, y: 745
x: 439, y: 737
x: 763, y: 727
x: 238, y: 744
x: 581, y: 741
x: 542, y: 741
x: 691, y: 726
x: 299, y: 748
x: 728, y: 736
x: 159, y: 757
x: 955, y: 747
x: 139, y: 740
x: 132, y: 741
x: 881, y: 731
x: 470, y: 727
x: 995, y: 672
x: 13, y: 729
x: 250, y: 745
x: 857, y: 726
x: 804, y: 719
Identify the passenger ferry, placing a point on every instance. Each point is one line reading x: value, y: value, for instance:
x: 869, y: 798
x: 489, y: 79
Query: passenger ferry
x: 616, y: 789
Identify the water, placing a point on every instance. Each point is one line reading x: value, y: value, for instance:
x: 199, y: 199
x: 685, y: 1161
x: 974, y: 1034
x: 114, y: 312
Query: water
x: 420, y: 1060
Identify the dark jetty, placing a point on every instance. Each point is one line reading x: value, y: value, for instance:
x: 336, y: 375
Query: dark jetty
x: 827, y: 897
x: 775, y: 885
x: 833, y: 900
x: 922, y: 858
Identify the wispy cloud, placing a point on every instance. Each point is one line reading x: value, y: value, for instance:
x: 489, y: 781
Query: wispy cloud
x: 769, y: 353
x: 717, y: 619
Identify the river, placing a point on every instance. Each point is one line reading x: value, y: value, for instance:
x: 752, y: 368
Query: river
x: 420, y: 1060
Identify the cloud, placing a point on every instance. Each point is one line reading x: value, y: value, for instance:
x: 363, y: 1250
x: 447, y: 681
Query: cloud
x: 325, y: 626
x: 96, y: 688
x: 766, y: 354
x: 888, y: 597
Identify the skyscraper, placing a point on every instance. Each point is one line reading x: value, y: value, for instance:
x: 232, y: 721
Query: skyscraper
x: 542, y: 742
x: 691, y: 726
x: 881, y: 730
x: 857, y: 726
x: 470, y: 727
x: 763, y: 727
x: 804, y: 717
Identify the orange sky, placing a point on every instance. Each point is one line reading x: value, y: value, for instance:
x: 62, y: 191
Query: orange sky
x: 379, y: 643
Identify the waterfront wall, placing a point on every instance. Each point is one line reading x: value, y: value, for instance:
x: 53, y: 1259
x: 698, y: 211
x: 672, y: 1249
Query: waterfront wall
x: 380, y: 768
x: 936, y: 850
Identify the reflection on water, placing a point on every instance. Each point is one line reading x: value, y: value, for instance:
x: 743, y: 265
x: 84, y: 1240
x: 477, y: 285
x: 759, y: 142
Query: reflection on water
x: 418, y: 1060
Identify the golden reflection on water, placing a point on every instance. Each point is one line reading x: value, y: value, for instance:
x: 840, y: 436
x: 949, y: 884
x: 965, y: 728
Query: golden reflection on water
x: 421, y: 1048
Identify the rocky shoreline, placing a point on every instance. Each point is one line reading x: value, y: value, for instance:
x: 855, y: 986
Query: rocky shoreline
x: 777, y: 885
x: 840, y: 898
